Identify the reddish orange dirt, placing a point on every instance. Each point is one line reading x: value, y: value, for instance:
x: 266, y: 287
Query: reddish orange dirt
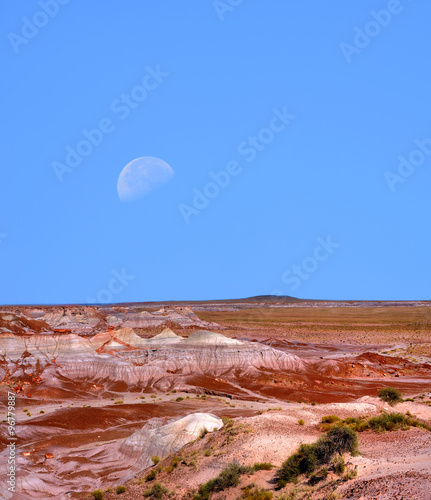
x: 73, y: 413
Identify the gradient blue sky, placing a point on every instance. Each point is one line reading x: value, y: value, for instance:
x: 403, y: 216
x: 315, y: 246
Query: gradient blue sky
x: 322, y: 176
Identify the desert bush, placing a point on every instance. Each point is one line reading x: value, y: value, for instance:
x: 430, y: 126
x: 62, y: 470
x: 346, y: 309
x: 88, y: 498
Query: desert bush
x: 179, y: 399
x: 151, y: 475
x: 175, y: 461
x: 155, y: 459
x: 119, y: 402
x: 301, y: 422
x: 153, y: 396
x: 262, y: 466
x: 121, y: 489
x: 389, y: 422
x: 390, y: 395
x: 338, y: 439
x: 330, y: 419
x: 343, y: 439
x: 157, y: 492
x: 98, y: 494
x: 203, y: 432
x: 207, y: 453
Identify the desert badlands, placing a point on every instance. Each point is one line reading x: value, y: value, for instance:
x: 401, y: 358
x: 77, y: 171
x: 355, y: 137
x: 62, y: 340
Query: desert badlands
x: 210, y: 399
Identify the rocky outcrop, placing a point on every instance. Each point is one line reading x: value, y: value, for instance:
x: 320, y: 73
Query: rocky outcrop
x: 121, y: 356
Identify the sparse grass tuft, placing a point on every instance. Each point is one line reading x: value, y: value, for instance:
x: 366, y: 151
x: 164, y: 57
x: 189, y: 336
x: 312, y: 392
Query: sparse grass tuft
x: 203, y: 432
x: 254, y: 493
x: 262, y: 466
x: 301, y: 422
x: 121, y: 489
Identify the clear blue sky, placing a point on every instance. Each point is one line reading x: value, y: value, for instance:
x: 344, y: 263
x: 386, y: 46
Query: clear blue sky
x: 354, y: 109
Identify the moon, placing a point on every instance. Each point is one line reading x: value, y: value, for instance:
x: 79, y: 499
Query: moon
x: 141, y: 176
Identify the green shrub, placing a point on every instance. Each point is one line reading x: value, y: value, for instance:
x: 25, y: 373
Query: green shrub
x: 389, y: 422
x: 98, y: 494
x: 174, y: 391
x: 157, y: 492
x: 155, y: 459
x: 179, y: 399
x: 301, y: 422
x: 121, y: 489
x: 262, y: 466
x: 153, y: 396
x: 175, y: 461
x: 228, y: 478
x: 343, y: 439
x: 207, y: 453
x: 151, y: 475
x: 338, y: 439
x: 390, y: 395
x: 330, y: 419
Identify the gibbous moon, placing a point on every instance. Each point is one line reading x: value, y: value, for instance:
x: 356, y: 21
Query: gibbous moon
x: 141, y: 176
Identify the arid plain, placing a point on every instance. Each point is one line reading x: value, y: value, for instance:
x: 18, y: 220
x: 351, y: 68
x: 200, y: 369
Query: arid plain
x: 103, y: 390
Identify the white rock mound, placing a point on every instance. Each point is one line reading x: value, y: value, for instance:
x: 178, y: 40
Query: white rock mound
x: 205, y: 337
x: 165, y: 439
